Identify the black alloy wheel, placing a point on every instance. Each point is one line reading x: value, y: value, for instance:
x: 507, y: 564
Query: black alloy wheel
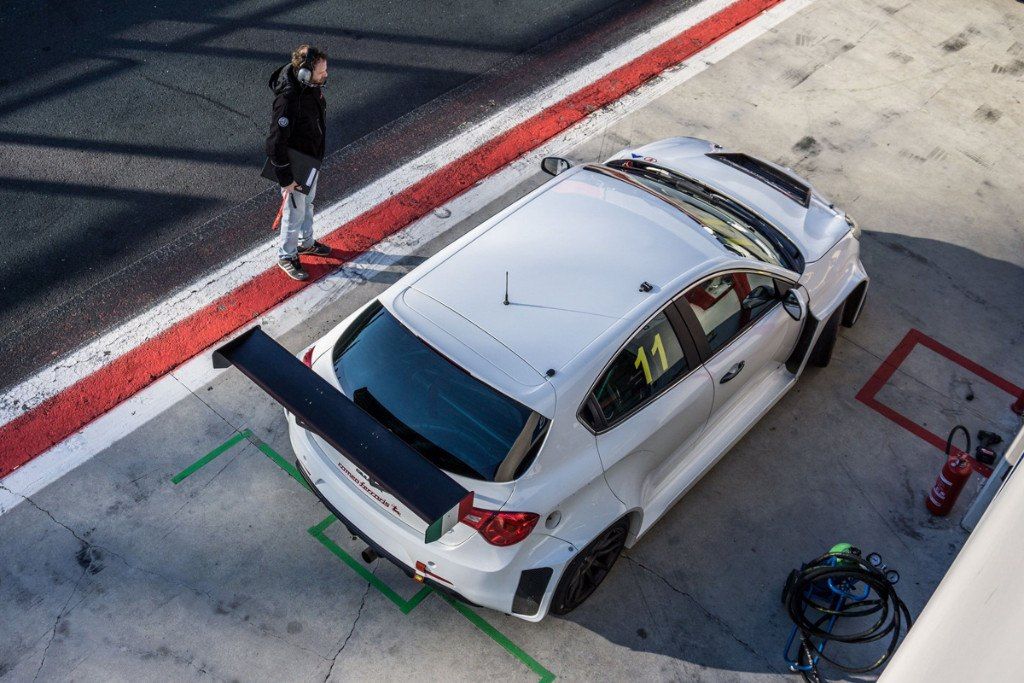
x: 589, y: 568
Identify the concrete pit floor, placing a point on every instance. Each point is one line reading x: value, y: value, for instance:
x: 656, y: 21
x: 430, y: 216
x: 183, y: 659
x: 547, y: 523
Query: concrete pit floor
x: 907, y: 114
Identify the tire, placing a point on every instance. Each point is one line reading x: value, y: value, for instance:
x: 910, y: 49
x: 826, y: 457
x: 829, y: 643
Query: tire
x: 589, y: 568
x: 822, y: 352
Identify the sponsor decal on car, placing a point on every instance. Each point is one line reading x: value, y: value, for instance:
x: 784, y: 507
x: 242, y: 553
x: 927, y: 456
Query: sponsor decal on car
x: 370, y: 492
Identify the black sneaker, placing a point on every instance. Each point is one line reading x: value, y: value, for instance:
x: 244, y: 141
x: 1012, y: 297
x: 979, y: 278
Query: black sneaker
x: 316, y: 249
x: 293, y: 268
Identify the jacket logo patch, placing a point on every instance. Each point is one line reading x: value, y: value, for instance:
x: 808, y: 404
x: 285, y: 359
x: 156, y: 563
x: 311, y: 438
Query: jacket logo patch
x: 283, y: 122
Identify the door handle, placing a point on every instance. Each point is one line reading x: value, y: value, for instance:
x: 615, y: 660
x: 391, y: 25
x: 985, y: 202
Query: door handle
x: 733, y: 371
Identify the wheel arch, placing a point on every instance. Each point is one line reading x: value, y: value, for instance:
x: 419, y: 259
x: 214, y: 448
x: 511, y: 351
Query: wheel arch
x: 855, y: 303
x: 636, y: 519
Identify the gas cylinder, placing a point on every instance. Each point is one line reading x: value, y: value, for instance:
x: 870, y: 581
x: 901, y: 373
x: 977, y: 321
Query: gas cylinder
x: 954, y: 474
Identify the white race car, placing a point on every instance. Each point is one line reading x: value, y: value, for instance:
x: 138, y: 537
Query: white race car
x: 507, y: 417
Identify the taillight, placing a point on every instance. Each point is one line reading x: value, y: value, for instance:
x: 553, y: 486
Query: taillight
x: 501, y: 528
x: 307, y: 357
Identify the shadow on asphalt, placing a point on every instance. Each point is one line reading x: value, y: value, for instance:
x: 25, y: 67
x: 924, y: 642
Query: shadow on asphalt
x: 133, y: 135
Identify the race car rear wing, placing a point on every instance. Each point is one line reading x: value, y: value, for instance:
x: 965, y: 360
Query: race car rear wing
x: 425, y: 489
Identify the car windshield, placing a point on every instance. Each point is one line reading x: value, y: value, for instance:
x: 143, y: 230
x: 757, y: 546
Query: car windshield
x: 735, y: 227
x: 455, y: 421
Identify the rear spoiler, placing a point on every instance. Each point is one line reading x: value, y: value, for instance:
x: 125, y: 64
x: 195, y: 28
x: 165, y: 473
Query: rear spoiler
x: 768, y: 174
x: 425, y: 489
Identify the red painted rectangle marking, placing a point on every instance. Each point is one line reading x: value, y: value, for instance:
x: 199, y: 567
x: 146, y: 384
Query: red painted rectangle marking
x: 867, y: 394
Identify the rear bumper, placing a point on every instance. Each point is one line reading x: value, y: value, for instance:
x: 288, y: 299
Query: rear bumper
x: 475, y: 572
x: 355, y: 531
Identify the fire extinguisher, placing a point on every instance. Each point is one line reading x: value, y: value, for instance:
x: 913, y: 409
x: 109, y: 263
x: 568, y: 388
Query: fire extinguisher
x: 1018, y: 405
x: 954, y: 474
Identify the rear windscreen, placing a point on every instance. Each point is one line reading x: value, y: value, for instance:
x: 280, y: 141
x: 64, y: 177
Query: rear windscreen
x: 455, y: 421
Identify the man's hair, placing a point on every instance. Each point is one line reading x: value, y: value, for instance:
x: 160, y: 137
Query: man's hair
x: 299, y: 55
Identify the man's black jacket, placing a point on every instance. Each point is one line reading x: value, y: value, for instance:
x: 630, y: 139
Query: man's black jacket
x: 300, y: 121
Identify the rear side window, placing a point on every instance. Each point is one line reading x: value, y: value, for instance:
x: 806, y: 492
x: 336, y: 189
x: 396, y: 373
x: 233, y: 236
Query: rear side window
x: 648, y: 365
x: 718, y: 304
x: 454, y: 420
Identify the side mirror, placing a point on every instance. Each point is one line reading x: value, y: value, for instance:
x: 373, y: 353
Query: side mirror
x: 555, y: 165
x: 759, y: 296
x: 794, y: 305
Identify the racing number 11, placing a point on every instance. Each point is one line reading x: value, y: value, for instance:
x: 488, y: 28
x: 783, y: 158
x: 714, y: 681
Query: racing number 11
x: 641, y: 358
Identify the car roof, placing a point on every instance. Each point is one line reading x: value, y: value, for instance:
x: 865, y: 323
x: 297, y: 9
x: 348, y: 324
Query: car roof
x: 576, y: 252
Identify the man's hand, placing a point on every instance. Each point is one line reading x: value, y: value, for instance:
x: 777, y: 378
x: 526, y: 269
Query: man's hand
x: 286, y: 190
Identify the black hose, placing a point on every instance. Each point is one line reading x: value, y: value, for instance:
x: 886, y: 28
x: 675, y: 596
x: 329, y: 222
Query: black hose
x: 811, y: 611
x: 952, y: 433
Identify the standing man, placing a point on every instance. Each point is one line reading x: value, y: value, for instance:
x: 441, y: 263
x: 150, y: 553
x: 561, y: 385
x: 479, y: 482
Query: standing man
x: 299, y: 122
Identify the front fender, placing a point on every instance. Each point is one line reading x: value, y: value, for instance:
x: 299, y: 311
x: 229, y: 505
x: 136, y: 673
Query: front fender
x: 833, y: 277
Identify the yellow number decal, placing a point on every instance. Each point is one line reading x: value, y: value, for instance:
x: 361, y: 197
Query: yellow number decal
x: 658, y: 348
x: 641, y: 360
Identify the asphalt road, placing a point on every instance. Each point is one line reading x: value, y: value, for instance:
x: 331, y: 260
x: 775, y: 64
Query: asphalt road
x: 131, y: 135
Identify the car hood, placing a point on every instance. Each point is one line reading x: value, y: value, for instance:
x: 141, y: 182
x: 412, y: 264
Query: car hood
x: 814, y: 229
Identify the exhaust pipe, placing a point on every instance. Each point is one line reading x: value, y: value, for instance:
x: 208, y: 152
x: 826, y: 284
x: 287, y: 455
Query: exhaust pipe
x: 369, y: 555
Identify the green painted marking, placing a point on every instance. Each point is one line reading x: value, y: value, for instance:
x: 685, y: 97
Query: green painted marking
x: 501, y: 639
x: 206, y: 459
x: 417, y: 599
x: 281, y: 462
x: 409, y: 605
x: 319, y: 528
x: 405, y: 606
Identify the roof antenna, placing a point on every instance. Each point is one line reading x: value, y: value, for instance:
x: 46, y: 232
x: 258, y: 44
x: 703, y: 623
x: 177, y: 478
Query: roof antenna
x: 506, y: 289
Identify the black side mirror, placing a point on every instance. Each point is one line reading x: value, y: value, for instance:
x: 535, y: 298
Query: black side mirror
x: 555, y: 165
x: 759, y: 296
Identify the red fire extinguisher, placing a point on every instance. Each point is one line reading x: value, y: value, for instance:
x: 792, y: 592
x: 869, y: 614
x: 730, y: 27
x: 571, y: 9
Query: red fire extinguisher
x: 1018, y: 405
x: 954, y: 474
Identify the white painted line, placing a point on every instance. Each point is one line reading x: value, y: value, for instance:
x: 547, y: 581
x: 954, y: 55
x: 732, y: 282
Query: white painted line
x: 165, y: 392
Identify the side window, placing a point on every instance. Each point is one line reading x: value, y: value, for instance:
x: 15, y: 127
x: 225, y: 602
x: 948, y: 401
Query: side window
x: 718, y: 304
x: 648, y: 364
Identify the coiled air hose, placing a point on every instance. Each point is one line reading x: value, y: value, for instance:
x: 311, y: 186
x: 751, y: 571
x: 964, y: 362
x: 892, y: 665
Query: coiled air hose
x: 839, y: 586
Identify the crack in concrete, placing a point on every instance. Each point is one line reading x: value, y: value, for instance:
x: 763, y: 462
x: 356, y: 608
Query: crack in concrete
x: 195, y: 494
x: 277, y: 636
x: 60, y: 615
x: 89, y: 544
x: 643, y: 597
x: 707, y: 613
x: 53, y: 519
x: 199, y: 397
x: 163, y: 577
x: 334, y: 660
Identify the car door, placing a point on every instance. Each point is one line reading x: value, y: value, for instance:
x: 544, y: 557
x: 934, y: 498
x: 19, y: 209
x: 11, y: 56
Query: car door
x: 649, y: 404
x: 741, y: 329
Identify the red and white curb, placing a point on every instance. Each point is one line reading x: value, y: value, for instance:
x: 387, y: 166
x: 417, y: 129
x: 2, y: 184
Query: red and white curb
x: 72, y: 410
